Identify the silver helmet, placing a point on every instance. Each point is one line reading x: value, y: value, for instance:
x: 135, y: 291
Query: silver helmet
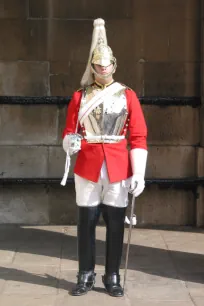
x: 100, y: 54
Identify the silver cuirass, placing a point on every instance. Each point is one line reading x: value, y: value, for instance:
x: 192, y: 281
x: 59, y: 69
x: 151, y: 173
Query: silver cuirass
x: 107, y: 119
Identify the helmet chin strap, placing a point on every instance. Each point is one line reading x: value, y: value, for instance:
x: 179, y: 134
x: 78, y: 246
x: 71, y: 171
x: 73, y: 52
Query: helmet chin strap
x: 103, y: 76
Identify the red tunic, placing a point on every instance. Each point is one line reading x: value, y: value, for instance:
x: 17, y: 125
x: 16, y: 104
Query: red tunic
x: 91, y: 156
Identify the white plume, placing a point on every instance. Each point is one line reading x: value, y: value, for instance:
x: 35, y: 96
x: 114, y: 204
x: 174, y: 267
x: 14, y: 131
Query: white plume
x: 99, y: 32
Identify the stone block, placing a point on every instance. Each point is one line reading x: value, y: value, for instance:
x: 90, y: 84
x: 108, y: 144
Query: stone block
x: 191, y: 78
x: 202, y: 9
x: 39, y: 40
x: 155, y: 43
x: 56, y: 163
x: 62, y: 202
x: 69, y: 40
x: 31, y: 39
x: 200, y: 162
x: 13, y: 33
x: 39, y: 9
x: 192, y: 10
x: 62, y: 67
x: 171, y: 79
x: 202, y: 126
x: 61, y: 124
x: 158, y: 206
x: 171, y: 162
x: 166, y: 9
x: 28, y: 125
x: 23, y: 161
x: 64, y: 84
x: 24, y: 78
x: 78, y: 10
x: 131, y: 75
x: 172, y: 125
x: 13, y: 9
x: 200, y: 207
x: 24, y: 204
x: 202, y: 74
x: 184, y: 40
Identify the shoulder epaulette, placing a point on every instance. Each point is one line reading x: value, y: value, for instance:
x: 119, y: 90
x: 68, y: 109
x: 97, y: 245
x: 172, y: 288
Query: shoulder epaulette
x: 84, y: 88
x: 126, y: 86
x: 81, y: 88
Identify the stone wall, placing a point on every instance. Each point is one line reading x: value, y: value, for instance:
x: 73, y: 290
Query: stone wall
x: 200, y: 159
x: 44, y: 45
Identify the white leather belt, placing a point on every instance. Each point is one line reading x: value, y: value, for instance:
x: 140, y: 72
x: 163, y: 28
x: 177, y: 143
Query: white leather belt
x: 104, y: 138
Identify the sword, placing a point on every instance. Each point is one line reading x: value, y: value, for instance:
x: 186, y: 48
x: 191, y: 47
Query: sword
x: 129, y: 238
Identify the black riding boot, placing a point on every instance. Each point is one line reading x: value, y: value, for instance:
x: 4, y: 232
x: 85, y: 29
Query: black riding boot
x: 87, y: 220
x: 114, y: 219
x: 85, y: 282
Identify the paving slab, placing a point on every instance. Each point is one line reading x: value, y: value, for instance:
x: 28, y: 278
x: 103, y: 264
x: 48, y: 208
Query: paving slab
x: 172, y: 292
x: 195, y: 284
x: 93, y: 298
x: 139, y: 302
x: 198, y: 301
x: 35, y: 256
x: 184, y: 241
x: 7, y: 251
x: 45, y: 300
x: 30, y: 281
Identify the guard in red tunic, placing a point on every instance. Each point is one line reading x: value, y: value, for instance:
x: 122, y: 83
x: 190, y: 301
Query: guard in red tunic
x: 102, y: 119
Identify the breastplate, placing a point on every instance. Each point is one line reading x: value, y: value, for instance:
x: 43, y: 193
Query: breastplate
x: 109, y: 117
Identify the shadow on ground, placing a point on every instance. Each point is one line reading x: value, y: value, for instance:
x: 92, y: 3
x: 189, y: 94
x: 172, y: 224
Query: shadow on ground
x: 152, y: 260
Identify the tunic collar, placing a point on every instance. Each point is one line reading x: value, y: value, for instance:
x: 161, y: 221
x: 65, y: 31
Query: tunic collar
x: 103, y: 86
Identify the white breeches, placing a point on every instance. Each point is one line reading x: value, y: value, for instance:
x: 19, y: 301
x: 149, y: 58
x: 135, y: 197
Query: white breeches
x: 92, y: 194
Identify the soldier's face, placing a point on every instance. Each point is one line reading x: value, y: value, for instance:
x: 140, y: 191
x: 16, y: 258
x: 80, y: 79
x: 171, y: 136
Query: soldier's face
x: 103, y: 70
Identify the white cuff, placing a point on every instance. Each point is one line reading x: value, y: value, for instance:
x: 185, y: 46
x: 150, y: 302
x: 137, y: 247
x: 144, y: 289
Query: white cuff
x: 138, y: 158
x: 65, y: 143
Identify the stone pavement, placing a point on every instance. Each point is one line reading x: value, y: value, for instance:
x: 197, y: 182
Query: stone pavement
x: 38, y: 267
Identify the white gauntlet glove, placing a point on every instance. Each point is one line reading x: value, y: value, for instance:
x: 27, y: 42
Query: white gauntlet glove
x: 138, y: 158
x: 137, y: 184
x: 72, y: 143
